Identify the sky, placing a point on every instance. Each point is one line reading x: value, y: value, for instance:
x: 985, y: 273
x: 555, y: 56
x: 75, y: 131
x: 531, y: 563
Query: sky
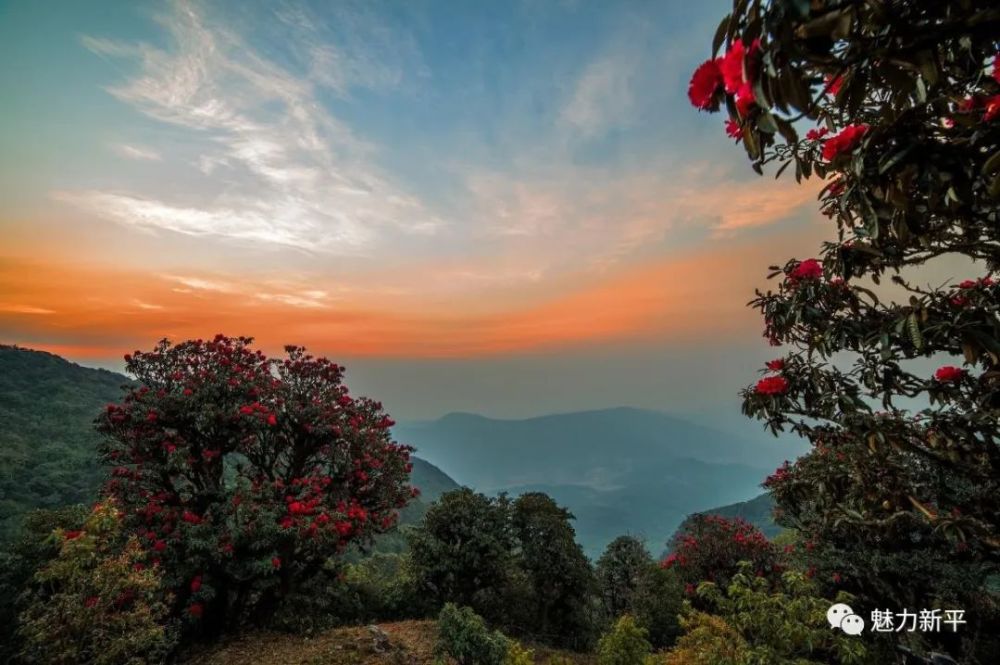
x: 504, y: 208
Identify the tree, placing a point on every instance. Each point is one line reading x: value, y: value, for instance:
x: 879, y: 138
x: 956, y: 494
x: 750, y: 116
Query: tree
x: 463, y: 551
x: 561, y: 579
x: 96, y: 602
x: 631, y: 582
x: 620, y: 572
x: 710, y: 548
x: 240, y: 475
x: 906, y: 97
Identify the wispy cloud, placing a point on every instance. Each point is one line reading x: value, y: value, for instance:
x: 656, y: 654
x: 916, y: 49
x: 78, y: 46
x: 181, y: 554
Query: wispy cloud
x: 603, y: 96
x: 138, y: 152
x: 298, y: 176
x: 14, y: 308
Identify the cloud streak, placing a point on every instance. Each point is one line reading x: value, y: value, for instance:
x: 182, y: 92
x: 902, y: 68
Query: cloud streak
x: 297, y: 175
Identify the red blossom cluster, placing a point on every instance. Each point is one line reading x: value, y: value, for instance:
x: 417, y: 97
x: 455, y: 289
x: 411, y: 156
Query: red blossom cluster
x: 845, y: 142
x: 731, y: 74
x: 949, y: 374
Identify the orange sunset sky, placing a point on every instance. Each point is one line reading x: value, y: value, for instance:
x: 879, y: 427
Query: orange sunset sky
x: 508, y: 210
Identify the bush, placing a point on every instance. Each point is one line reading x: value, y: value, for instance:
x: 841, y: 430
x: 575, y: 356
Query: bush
x: 242, y: 475
x: 518, y: 655
x: 97, y: 602
x: 783, y: 622
x: 626, y: 644
x: 32, y: 547
x: 463, y: 635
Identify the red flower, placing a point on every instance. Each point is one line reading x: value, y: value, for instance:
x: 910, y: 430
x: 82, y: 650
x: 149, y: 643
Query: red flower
x: 772, y: 385
x: 195, y: 610
x: 151, y: 416
x: 159, y: 545
x: 272, y: 420
x: 731, y: 66
x: 968, y: 284
x: 745, y: 100
x: 834, y: 84
x: 837, y: 578
x: 808, y: 269
x: 188, y: 392
x: 196, y: 584
x: 817, y: 133
x: 689, y: 589
x: 992, y: 105
x: 776, y: 365
x: 733, y: 130
x: 246, y: 410
x: 73, y: 535
x: 91, y: 601
x: 276, y: 562
x: 844, y: 142
x: 705, y: 83
x: 191, y: 518
x: 996, y: 68
x: 949, y: 374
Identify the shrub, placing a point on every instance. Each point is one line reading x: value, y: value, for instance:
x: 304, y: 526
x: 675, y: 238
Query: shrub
x: 97, y: 602
x: 31, y: 548
x: 626, y: 644
x: 775, y: 623
x: 240, y: 475
x: 463, y: 635
x: 518, y: 655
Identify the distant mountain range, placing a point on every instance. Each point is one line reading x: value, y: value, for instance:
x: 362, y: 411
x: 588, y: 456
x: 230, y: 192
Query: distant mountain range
x: 620, y: 470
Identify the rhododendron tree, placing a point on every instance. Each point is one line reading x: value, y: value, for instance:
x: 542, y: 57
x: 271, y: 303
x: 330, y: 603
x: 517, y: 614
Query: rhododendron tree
x: 710, y: 548
x: 899, y: 103
x: 241, y: 474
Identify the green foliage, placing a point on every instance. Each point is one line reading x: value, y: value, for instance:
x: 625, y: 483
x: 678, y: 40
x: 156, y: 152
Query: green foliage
x: 562, y: 581
x: 757, y: 622
x: 32, y: 548
x: 462, y: 552
x: 518, y: 655
x: 96, y: 602
x: 658, y: 606
x: 463, y: 635
x: 626, y: 644
x: 631, y: 583
x: 374, y: 589
x: 47, y: 444
x: 619, y: 573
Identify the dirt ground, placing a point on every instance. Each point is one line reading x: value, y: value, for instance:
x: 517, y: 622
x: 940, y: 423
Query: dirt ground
x: 402, y: 643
